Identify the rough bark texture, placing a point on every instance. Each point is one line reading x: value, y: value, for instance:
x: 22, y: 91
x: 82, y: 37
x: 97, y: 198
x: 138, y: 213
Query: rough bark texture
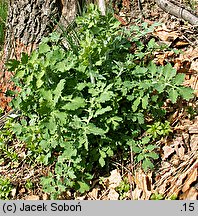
x: 30, y: 20
x: 27, y: 23
x: 69, y: 11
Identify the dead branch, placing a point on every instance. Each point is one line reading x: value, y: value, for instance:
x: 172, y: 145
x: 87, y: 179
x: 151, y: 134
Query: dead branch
x: 177, y: 11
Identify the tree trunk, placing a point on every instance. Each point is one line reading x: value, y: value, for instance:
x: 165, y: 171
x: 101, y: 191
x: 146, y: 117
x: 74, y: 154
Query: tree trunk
x: 30, y: 20
x: 27, y: 23
x: 102, y: 7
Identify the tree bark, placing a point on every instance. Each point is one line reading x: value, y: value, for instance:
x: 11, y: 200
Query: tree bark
x: 69, y: 11
x: 30, y: 20
x: 102, y: 7
x: 27, y: 23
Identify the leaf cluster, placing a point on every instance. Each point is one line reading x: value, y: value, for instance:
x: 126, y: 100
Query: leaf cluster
x: 80, y: 107
x: 5, y: 188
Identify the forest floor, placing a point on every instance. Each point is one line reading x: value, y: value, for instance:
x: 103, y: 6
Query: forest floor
x: 175, y: 176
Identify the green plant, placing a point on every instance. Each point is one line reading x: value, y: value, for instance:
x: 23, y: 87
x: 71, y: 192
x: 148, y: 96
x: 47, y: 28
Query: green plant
x: 123, y: 188
x: 143, y: 150
x: 82, y: 104
x: 173, y: 197
x: 157, y: 196
x: 1, y: 111
x: 192, y: 112
x: 7, y: 152
x: 192, y: 4
x: 28, y: 185
x: 5, y: 188
x: 159, y: 129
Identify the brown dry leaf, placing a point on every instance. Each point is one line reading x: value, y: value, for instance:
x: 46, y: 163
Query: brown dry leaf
x: 191, y: 54
x: 194, y: 142
x: 94, y: 193
x: 196, y: 92
x: 114, y: 179
x: 190, y: 194
x: 187, y: 62
x: 177, y: 141
x: 106, y: 182
x: 167, y: 152
x: 144, y: 182
x: 32, y: 197
x: 161, y: 183
x: 181, y: 178
x: 192, y: 177
x: 186, y: 137
x: 136, y: 194
x: 126, y: 4
x: 81, y: 198
x: 113, y: 195
x: 194, y: 66
x: 175, y: 184
x: 179, y: 149
x: 22, y: 190
x: 162, y: 57
x: 193, y: 129
x: 175, y: 160
x: 179, y: 44
x: 13, y: 192
x: 166, y: 36
x: 182, y: 66
x: 174, y: 187
x: 120, y: 19
x: 181, y: 152
x: 45, y: 196
x: 172, y: 118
